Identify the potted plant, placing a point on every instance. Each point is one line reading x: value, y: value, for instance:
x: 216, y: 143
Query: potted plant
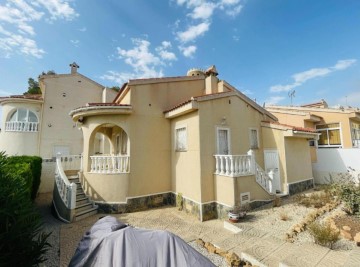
x: 238, y: 212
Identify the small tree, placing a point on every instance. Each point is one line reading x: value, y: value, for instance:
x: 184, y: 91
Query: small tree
x: 33, y: 87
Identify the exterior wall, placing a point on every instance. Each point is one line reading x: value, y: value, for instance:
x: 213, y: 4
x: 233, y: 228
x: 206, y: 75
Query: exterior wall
x: 185, y: 165
x: 19, y: 143
x: 343, y: 119
x: 274, y: 140
x: 61, y: 94
x: 239, y: 118
x: 294, y: 158
x: 298, y: 160
x: 291, y: 119
x: 336, y: 163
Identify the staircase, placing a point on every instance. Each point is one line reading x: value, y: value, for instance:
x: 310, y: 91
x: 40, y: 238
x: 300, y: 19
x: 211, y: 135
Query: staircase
x: 84, y: 206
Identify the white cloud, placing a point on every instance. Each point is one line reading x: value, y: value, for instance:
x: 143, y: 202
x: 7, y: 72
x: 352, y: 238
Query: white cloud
x: 17, y: 43
x: 118, y: 77
x: 193, y: 32
x: 203, y: 11
x: 302, y: 77
x: 274, y: 100
x: 21, y: 14
x: 164, y: 53
x: 352, y: 99
x: 144, y: 63
x: 344, y: 64
x: 58, y: 9
x: 188, y: 51
x: 75, y: 42
x: 83, y: 29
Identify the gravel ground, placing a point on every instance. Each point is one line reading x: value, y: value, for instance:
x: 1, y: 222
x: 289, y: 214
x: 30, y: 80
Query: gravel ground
x: 216, y: 259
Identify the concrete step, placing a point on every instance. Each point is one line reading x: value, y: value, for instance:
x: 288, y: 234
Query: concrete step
x: 71, y: 172
x: 80, y: 195
x: 86, y: 213
x: 81, y: 201
x: 83, y: 207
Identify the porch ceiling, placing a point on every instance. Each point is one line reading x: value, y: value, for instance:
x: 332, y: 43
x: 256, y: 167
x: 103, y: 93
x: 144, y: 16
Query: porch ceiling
x: 355, y: 116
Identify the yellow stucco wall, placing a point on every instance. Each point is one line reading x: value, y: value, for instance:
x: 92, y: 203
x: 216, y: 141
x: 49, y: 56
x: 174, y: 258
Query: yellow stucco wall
x: 185, y: 165
x: 298, y: 159
x: 63, y: 93
x: 19, y: 143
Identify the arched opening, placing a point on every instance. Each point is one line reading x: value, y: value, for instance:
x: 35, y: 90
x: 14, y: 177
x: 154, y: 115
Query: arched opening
x: 109, y: 150
x: 22, y: 120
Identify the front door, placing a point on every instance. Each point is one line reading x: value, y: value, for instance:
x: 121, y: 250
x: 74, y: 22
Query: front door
x: 271, y: 158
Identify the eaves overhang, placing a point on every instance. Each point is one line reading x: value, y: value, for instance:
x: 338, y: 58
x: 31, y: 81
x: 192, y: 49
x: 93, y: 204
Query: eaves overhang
x: 355, y: 116
x: 83, y: 112
x: 185, y: 108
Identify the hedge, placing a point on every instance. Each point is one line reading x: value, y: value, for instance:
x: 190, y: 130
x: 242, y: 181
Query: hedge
x: 34, y: 164
x: 22, y: 242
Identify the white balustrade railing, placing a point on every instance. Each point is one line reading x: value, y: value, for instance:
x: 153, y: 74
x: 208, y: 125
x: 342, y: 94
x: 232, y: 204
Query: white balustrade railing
x: 20, y: 126
x: 233, y: 165
x: 109, y: 164
x: 263, y: 179
x: 67, y: 190
x: 71, y: 162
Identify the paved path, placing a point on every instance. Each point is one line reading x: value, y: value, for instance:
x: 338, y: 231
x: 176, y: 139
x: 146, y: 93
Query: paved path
x: 256, y: 245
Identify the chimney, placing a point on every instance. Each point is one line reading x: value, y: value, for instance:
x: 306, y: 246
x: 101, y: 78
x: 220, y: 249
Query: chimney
x: 74, y: 67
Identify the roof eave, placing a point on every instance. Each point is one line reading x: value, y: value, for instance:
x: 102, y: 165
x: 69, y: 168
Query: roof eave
x: 83, y: 112
x: 187, y: 108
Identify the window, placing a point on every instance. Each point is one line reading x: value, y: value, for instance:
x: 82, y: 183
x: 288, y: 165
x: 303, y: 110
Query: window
x: 254, y: 139
x: 22, y: 120
x: 355, y: 134
x: 329, y: 135
x: 23, y: 115
x: 223, y: 141
x: 181, y: 139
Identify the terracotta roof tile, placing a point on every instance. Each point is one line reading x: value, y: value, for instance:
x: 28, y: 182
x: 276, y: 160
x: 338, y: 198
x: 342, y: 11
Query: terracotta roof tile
x: 106, y: 105
x: 27, y: 96
x: 295, y: 128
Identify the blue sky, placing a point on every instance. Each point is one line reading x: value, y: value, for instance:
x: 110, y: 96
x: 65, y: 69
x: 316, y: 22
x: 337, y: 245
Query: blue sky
x: 265, y: 48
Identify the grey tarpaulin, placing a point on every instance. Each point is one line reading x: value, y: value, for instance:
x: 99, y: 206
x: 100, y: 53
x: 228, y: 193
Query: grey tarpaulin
x: 110, y: 242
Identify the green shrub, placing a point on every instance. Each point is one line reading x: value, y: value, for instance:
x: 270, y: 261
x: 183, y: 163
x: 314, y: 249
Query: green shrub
x: 21, y: 241
x: 35, y: 167
x: 324, y: 234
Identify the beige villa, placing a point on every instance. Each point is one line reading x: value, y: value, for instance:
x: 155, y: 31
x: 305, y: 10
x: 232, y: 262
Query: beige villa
x: 39, y: 125
x: 337, y: 151
x: 194, y: 138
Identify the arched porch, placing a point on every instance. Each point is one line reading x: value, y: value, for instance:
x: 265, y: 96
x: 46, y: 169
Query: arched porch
x: 109, y: 147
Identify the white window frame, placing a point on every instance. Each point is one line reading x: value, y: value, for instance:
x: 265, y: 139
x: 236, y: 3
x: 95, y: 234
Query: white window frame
x: 355, y: 132
x: 176, y: 138
x: 218, y: 129
x: 251, y: 139
x: 327, y: 130
x: 27, y: 115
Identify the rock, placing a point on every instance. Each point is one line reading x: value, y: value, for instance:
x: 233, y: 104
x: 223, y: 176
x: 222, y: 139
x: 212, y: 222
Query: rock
x: 200, y: 242
x: 345, y: 234
x: 232, y: 259
x: 210, y: 247
x: 357, y: 239
x: 346, y: 228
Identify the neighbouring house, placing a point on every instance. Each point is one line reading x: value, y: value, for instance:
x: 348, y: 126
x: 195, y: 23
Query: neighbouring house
x: 39, y: 124
x: 337, y: 152
x: 194, y: 139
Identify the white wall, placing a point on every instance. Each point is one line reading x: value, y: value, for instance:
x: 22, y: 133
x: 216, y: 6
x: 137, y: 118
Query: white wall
x: 336, y: 162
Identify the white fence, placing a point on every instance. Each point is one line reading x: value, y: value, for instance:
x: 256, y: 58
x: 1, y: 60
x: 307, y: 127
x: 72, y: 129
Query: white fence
x: 20, y: 126
x: 233, y: 165
x: 110, y: 164
x: 67, y: 190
